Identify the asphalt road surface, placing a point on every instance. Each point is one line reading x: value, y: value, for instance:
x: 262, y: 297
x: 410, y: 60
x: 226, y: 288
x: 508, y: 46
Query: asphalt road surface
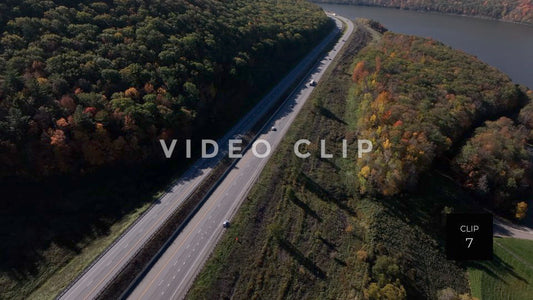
x: 504, y: 228
x: 173, y: 274
x: 94, y: 279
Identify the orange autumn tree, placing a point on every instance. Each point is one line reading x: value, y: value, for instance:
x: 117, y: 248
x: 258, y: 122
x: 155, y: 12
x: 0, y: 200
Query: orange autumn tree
x: 359, y: 72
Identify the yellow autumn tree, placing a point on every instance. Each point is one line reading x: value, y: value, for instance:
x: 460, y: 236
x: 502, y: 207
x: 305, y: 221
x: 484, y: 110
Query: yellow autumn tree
x: 521, y: 209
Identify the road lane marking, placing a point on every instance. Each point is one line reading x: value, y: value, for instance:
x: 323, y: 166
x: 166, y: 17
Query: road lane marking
x: 208, y: 210
x: 131, y: 249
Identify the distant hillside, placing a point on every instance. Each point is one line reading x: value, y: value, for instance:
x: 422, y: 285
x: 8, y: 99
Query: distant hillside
x: 85, y: 84
x: 511, y: 10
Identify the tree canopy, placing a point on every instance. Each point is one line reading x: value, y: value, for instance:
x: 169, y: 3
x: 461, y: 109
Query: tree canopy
x: 421, y: 102
x: 418, y: 98
x: 90, y: 83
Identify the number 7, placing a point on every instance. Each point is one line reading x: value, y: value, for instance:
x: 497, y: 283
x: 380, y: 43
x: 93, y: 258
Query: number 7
x: 469, y: 240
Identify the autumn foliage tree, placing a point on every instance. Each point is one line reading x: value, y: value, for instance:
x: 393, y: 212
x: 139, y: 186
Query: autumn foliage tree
x: 521, y: 210
x: 416, y: 99
x: 495, y: 162
x: 85, y: 84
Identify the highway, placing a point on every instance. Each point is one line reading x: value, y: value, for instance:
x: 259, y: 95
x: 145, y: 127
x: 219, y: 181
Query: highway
x: 94, y: 278
x: 173, y: 274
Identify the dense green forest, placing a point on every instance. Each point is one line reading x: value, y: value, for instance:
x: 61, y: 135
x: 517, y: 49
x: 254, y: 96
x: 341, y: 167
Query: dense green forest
x: 86, y: 83
x: 510, y: 10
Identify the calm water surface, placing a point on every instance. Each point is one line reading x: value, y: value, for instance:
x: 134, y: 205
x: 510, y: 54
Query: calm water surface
x: 507, y: 46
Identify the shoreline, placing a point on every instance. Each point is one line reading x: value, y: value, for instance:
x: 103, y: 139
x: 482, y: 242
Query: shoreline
x: 427, y: 12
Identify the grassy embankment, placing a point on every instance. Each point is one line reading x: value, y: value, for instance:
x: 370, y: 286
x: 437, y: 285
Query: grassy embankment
x: 304, y: 232
x: 509, y: 275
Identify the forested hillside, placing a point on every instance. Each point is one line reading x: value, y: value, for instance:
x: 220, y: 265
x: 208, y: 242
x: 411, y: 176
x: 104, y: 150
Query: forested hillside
x: 511, y: 10
x: 86, y: 83
x: 419, y: 100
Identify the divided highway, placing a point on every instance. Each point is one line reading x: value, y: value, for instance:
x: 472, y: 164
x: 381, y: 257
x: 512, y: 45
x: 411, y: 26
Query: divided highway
x: 199, y: 236
x: 173, y: 274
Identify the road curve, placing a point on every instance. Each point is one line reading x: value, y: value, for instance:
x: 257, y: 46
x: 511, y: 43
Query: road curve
x: 94, y: 278
x: 504, y: 228
x: 174, y: 272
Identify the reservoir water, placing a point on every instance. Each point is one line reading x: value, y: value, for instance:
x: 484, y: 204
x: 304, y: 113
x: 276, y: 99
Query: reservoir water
x: 506, y: 46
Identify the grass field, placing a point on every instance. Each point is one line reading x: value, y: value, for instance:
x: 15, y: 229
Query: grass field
x: 508, y: 276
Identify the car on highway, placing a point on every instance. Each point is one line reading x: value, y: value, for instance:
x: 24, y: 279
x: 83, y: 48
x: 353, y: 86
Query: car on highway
x: 312, y: 82
x: 226, y: 224
x: 273, y: 128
